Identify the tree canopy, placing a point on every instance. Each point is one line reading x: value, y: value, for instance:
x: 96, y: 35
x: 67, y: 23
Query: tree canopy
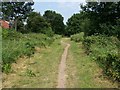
x: 103, y: 17
x: 36, y: 23
x: 16, y: 11
x: 74, y: 24
x: 96, y: 18
x: 13, y: 10
x: 55, y: 20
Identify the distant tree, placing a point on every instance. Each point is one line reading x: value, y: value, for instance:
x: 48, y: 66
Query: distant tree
x: 37, y: 24
x: 16, y: 11
x: 56, y: 21
x: 74, y: 24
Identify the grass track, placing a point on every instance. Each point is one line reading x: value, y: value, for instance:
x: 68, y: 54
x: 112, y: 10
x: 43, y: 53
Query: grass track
x: 39, y: 71
x: 83, y: 72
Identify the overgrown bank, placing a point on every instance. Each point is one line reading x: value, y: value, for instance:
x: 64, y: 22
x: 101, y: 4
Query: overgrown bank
x: 105, y: 51
x: 38, y: 71
x: 82, y: 72
x: 15, y: 44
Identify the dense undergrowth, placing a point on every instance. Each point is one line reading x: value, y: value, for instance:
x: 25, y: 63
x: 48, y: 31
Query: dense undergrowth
x: 15, y: 44
x: 78, y: 37
x: 105, y: 51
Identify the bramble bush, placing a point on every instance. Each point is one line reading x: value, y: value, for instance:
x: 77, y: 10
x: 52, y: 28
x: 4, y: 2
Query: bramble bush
x: 105, y: 51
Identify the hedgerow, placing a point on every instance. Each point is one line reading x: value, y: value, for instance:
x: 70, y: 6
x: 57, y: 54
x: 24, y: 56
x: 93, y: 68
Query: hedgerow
x: 105, y: 51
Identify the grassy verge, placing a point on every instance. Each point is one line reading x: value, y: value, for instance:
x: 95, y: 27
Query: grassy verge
x: 105, y: 51
x: 38, y: 71
x: 15, y: 45
x: 83, y: 72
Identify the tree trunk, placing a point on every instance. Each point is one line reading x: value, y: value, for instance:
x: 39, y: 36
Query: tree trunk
x: 16, y: 24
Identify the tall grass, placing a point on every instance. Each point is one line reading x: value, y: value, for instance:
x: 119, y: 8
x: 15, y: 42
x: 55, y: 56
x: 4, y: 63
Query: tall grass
x: 15, y: 44
x: 105, y: 51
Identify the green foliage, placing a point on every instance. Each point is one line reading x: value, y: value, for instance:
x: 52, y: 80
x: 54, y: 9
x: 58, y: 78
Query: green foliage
x: 110, y: 30
x: 78, y: 37
x: 103, y: 18
x: 36, y: 23
x: 105, y: 50
x: 10, y: 33
x: 16, y: 44
x: 56, y: 21
x: 48, y: 32
x: 56, y: 36
x: 30, y: 73
x: 21, y: 26
x: 96, y: 18
x: 74, y: 24
x: 17, y: 12
x: 13, y: 10
x: 6, y: 68
x: 5, y: 33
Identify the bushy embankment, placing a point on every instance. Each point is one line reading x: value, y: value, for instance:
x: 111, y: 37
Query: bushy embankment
x: 105, y: 51
x: 15, y: 44
x: 78, y: 37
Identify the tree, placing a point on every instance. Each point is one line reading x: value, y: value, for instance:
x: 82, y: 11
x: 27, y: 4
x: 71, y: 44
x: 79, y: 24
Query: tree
x: 74, y: 24
x: 101, y: 13
x: 16, y: 11
x: 56, y: 21
x: 37, y: 24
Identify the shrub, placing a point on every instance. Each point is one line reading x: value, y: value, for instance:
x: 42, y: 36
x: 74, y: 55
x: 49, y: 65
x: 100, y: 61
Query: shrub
x: 105, y: 51
x: 77, y: 37
x: 30, y: 73
x: 48, y: 32
x: 36, y: 23
x: 15, y: 44
x: 56, y: 36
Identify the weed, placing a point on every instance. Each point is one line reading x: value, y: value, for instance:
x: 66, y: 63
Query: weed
x: 105, y: 51
x: 30, y: 73
x: 6, y: 68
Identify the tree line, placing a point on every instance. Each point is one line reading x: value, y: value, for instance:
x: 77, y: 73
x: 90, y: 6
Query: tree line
x: 22, y: 12
x: 94, y: 18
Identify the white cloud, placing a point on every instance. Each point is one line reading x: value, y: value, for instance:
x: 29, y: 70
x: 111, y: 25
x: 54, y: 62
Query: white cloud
x: 59, y: 1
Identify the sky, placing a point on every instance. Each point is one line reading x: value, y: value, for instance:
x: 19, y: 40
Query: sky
x: 66, y: 9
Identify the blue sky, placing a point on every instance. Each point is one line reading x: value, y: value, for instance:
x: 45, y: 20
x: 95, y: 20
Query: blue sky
x: 66, y: 9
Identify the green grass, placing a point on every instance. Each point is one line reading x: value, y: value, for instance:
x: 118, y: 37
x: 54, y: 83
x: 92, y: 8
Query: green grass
x: 105, y: 51
x: 82, y: 72
x: 38, y: 71
x: 15, y: 44
x: 77, y: 37
x: 0, y: 44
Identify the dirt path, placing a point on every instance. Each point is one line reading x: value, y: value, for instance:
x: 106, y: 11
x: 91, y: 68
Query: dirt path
x: 83, y: 72
x: 62, y: 66
x: 38, y: 71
